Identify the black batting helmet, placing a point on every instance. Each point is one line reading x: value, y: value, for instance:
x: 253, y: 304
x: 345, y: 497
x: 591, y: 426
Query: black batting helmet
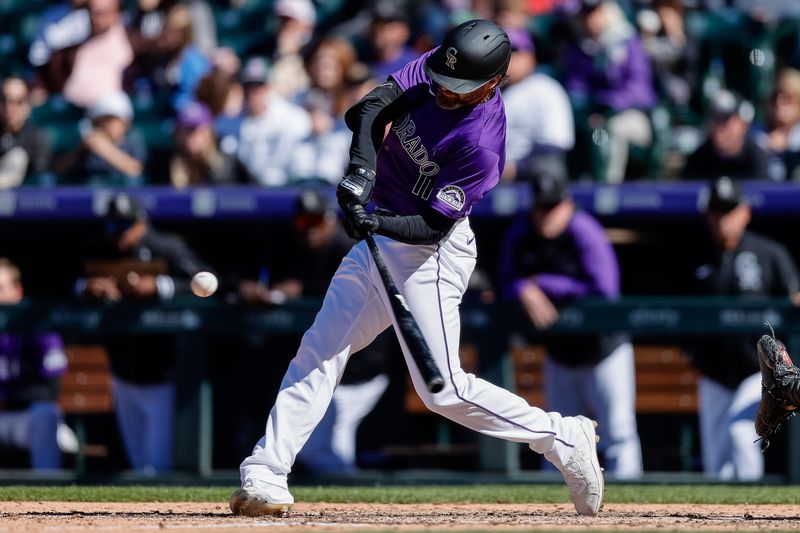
x: 471, y: 54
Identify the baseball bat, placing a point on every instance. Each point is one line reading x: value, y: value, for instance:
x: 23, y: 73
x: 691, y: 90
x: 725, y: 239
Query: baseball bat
x: 409, y: 328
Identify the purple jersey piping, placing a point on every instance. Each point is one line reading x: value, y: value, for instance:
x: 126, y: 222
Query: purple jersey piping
x: 450, y: 368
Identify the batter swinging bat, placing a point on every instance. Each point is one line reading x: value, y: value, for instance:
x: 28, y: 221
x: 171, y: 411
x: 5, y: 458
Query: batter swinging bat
x: 408, y: 326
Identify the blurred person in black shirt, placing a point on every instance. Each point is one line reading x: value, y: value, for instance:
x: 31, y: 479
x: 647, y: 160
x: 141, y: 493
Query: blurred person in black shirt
x: 728, y: 150
x: 745, y: 264
x: 135, y: 263
x: 24, y: 148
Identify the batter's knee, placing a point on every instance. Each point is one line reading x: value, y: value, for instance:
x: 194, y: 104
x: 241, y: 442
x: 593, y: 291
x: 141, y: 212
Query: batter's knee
x: 449, y: 397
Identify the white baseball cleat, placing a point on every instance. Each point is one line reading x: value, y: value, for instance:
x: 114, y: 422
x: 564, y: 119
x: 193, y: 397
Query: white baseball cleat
x: 582, y: 471
x: 263, y: 500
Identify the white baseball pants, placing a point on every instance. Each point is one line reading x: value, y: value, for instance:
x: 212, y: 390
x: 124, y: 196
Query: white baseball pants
x: 432, y: 279
x: 727, y: 435
x: 35, y: 429
x: 607, y: 391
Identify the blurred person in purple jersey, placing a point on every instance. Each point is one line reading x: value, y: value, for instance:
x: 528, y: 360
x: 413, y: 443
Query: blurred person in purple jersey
x: 30, y: 371
x: 443, y: 150
x: 609, y: 78
x: 555, y: 254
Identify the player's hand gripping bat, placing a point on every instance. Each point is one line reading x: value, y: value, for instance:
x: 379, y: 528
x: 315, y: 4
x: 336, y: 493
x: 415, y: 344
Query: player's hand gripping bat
x: 408, y: 326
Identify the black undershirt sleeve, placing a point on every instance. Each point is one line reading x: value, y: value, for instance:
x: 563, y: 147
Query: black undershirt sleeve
x: 427, y: 228
x: 368, y: 118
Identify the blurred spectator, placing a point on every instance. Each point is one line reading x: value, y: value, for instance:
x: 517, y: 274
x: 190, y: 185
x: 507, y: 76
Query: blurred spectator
x: 133, y: 262
x: 272, y: 128
x: 221, y: 91
x: 93, y: 68
x: 182, y: 64
x: 738, y: 263
x: 552, y: 256
x: 107, y: 154
x: 146, y: 22
x: 24, y: 148
x: 329, y: 63
x: 541, y: 129
x: 728, y: 150
x: 325, y: 153
x: 214, y: 88
x: 387, y: 48
x: 781, y: 140
x: 673, y: 52
x: 30, y: 371
x: 197, y: 160
x: 297, y: 19
x: 609, y: 76
x: 61, y: 26
x: 767, y: 11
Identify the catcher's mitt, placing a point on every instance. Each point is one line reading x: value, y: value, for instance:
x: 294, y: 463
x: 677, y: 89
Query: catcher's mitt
x: 780, y: 388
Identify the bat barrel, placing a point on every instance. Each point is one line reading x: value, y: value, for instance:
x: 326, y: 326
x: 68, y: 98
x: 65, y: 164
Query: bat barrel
x: 407, y: 325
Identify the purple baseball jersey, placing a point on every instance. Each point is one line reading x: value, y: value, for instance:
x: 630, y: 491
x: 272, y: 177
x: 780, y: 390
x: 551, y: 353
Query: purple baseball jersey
x: 29, y: 358
x: 448, y: 159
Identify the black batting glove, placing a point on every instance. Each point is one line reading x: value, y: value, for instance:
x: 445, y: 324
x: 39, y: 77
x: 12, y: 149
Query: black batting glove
x: 355, y: 188
x: 358, y: 223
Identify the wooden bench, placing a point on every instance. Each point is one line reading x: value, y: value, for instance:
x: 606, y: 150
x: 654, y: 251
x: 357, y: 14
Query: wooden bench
x: 665, y: 380
x: 86, y: 390
x: 666, y: 397
x: 468, y: 354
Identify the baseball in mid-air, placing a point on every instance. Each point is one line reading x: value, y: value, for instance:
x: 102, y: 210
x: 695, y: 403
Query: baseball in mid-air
x: 204, y: 284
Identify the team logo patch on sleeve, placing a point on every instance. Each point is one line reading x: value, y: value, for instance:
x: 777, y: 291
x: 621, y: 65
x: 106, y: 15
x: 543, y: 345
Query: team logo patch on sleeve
x: 453, y: 196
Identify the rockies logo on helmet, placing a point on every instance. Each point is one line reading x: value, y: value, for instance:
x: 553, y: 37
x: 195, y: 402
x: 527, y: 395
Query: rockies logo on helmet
x: 451, y: 57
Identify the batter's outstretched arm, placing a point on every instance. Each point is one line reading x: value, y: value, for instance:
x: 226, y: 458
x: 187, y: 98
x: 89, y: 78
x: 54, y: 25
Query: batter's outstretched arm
x: 368, y: 118
x: 427, y: 228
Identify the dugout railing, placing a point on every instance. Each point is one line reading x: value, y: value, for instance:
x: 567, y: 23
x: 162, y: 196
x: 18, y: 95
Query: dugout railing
x: 191, y: 320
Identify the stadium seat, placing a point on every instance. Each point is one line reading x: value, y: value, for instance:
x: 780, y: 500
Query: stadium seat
x: 8, y: 8
x: 56, y: 110
x: 62, y: 137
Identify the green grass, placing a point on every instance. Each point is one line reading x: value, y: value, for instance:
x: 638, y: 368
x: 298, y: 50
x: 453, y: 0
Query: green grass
x: 419, y: 494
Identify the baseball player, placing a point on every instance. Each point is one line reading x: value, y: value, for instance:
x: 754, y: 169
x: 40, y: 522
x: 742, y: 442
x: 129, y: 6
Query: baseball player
x: 31, y: 367
x: 445, y: 149
x: 744, y: 264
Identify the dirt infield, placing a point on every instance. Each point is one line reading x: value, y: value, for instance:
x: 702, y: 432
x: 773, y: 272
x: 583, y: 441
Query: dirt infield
x: 122, y: 517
